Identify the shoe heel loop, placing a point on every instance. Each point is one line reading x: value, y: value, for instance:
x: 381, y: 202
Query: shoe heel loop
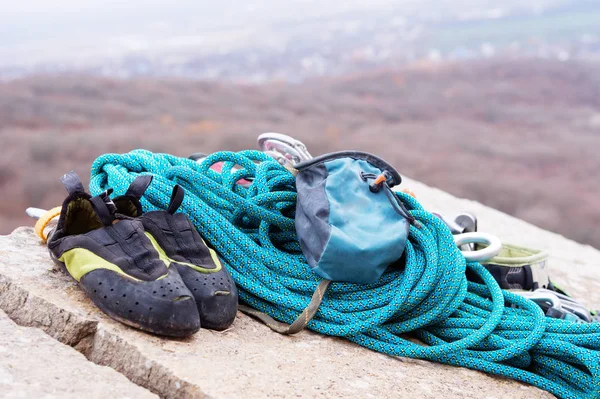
x: 72, y: 183
x: 176, y: 199
x: 138, y: 187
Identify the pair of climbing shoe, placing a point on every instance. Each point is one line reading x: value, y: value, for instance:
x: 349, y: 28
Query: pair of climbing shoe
x: 152, y: 271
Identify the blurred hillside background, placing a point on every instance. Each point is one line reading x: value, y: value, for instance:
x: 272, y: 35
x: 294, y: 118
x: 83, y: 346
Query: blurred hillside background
x: 497, y: 101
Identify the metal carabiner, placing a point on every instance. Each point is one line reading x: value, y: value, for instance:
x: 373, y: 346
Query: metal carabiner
x: 279, y: 157
x: 35, y: 213
x: 541, y: 298
x: 463, y: 223
x: 553, y: 306
x: 289, y: 140
x: 569, y: 304
x: 287, y: 152
x: 494, y: 245
x: 285, y: 149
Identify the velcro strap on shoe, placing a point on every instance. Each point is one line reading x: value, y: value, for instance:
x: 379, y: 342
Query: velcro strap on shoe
x: 102, y: 206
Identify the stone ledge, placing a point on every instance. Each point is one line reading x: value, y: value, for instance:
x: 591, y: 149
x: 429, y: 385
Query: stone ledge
x: 34, y: 365
x: 250, y: 360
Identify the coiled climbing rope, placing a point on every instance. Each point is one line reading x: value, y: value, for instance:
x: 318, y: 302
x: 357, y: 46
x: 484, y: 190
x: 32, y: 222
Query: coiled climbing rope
x: 426, y: 295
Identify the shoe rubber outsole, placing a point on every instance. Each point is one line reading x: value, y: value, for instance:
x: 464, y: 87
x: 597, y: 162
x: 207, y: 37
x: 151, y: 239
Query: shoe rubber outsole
x: 163, y: 307
x: 215, y: 294
x: 213, y: 288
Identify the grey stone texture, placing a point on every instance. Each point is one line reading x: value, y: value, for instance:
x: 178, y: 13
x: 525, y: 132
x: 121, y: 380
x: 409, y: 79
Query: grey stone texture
x: 34, y: 365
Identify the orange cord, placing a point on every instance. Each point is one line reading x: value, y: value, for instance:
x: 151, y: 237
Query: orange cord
x: 380, y: 179
x: 43, y: 221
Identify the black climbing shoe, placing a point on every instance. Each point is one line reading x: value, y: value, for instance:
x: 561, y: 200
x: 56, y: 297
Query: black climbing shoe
x: 118, y: 266
x: 178, y: 241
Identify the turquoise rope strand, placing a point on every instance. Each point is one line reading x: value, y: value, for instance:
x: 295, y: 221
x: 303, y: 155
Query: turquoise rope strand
x: 467, y: 324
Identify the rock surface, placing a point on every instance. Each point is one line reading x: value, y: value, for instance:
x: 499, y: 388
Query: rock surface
x: 249, y: 360
x: 34, y: 365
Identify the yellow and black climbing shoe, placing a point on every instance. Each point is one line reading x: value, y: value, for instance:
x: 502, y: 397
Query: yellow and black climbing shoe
x: 118, y: 266
x: 178, y: 242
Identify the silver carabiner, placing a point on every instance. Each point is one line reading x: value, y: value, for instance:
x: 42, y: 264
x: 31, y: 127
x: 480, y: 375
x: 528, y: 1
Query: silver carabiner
x: 35, y: 213
x: 285, y: 149
x: 463, y: 223
x: 569, y: 304
x: 289, y: 153
x: 541, y: 297
x: 494, y: 245
x: 556, y: 306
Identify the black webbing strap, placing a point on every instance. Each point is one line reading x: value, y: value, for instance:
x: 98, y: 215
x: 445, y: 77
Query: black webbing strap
x: 138, y: 187
x: 301, y: 322
x: 72, y: 183
x: 176, y: 199
x: 187, y: 251
x: 104, y: 207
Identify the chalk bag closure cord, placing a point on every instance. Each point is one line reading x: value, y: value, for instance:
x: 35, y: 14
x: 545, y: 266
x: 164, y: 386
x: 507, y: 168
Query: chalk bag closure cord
x: 383, y: 181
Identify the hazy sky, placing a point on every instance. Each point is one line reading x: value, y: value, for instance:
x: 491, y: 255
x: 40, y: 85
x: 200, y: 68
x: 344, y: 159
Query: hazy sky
x: 42, y: 30
x: 29, y: 17
x: 34, y: 30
